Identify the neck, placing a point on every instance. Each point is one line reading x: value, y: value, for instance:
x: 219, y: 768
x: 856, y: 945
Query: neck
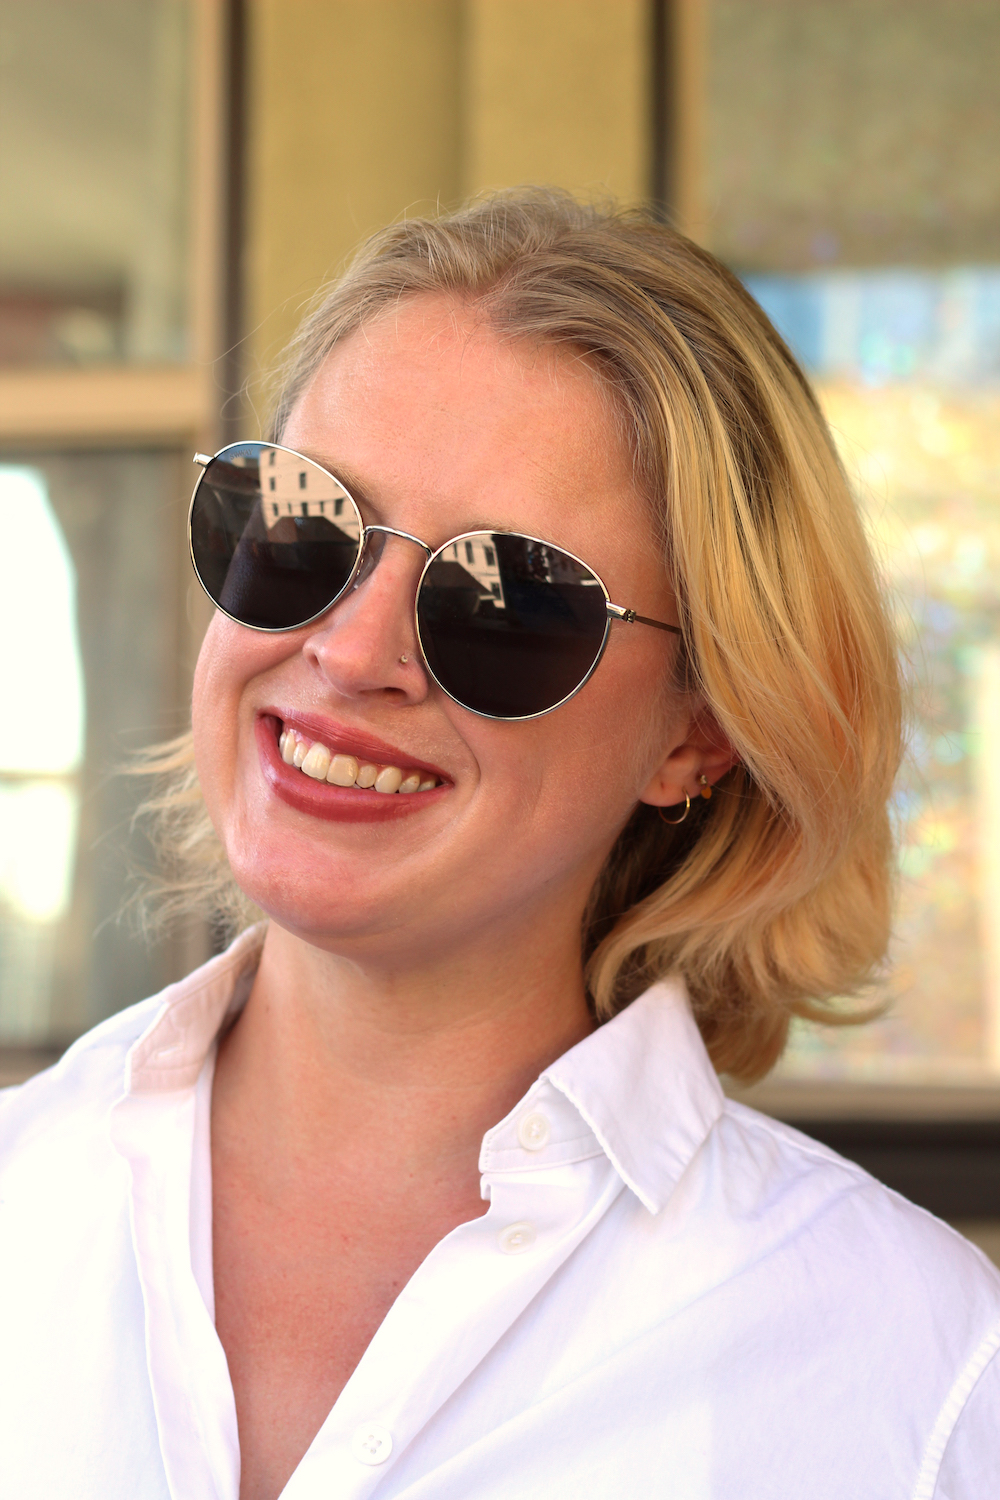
x: 332, y: 1054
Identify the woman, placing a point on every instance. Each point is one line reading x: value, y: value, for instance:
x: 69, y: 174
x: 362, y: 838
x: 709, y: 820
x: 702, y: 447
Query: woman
x: 427, y: 1187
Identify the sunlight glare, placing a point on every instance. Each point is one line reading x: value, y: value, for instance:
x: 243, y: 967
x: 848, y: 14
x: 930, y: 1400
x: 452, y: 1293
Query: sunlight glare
x: 41, y: 677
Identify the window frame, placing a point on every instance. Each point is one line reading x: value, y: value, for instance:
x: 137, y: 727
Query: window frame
x: 939, y: 1146
x: 179, y: 406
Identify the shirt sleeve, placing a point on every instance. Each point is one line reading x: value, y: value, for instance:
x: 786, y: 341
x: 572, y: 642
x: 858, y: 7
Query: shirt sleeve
x: 970, y: 1465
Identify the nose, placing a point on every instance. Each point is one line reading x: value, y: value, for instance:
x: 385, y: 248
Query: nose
x: 374, y: 545
x: 366, y: 645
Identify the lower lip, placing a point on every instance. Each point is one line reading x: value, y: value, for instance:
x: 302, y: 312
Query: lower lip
x: 338, y: 804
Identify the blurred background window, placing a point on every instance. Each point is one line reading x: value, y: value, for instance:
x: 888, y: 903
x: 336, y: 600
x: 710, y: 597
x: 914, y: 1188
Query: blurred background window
x: 94, y: 202
x: 850, y: 177
x: 87, y: 609
x: 111, y: 307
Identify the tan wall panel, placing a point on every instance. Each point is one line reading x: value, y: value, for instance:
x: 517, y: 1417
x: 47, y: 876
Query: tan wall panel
x: 353, y: 119
x: 557, y: 92
x: 60, y: 407
x: 362, y: 109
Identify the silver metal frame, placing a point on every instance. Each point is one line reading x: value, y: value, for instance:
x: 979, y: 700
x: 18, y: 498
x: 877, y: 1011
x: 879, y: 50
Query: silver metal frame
x: 614, y: 611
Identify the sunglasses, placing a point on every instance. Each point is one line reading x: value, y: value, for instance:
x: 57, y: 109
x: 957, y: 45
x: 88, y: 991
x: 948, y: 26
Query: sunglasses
x: 509, y: 626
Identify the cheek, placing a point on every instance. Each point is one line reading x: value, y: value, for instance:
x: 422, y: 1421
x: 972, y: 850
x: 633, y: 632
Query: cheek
x: 572, y: 778
x: 208, y: 718
x: 216, y: 649
x: 225, y: 665
x: 637, y: 715
x: 231, y: 657
x: 216, y: 675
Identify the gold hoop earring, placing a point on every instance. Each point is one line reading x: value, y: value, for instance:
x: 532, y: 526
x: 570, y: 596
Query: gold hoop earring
x: 674, y: 822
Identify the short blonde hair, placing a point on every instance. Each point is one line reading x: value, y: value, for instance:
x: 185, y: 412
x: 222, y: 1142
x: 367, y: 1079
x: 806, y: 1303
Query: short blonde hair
x: 775, y: 897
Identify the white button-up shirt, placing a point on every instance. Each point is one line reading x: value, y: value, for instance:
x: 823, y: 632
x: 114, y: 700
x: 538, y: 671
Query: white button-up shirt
x: 669, y: 1296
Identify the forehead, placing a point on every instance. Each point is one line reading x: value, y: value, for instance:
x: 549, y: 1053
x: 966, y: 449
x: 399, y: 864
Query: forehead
x: 456, y: 350
x: 428, y: 394
x: 438, y: 426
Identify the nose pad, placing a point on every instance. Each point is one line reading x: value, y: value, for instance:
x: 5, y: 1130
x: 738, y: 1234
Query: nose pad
x: 371, y: 556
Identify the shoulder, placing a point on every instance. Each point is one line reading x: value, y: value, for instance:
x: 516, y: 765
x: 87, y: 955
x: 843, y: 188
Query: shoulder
x: 174, y: 1028
x: 851, y: 1296
x: 71, y: 1099
x: 63, y: 1186
x: 899, y: 1301
x: 852, y: 1221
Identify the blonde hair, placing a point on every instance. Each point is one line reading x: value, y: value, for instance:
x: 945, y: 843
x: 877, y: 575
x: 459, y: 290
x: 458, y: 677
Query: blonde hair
x: 775, y: 897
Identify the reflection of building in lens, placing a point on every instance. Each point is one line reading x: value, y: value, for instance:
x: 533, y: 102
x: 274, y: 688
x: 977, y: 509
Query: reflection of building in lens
x: 552, y: 565
x: 292, y: 486
x: 477, y: 555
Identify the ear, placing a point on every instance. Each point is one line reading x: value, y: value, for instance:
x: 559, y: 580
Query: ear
x: 704, y: 751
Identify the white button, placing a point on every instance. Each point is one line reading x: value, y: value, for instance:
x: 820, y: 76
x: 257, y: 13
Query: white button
x: 517, y: 1237
x: 372, y: 1444
x: 533, y: 1131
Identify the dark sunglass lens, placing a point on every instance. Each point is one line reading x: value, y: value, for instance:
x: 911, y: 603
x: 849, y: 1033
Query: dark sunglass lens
x: 510, y: 626
x: 274, y: 537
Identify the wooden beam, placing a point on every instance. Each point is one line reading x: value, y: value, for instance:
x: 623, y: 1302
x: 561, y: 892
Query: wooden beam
x: 208, y: 196
x: 687, y: 83
x: 63, y: 408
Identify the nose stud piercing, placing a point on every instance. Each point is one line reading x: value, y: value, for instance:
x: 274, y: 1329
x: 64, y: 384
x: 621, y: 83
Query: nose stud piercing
x: 404, y: 659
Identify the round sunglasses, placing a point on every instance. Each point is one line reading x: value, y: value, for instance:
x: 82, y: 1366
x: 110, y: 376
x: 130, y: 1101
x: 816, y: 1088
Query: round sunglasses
x: 509, y: 626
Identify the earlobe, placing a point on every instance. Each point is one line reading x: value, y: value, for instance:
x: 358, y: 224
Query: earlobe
x: 674, y: 780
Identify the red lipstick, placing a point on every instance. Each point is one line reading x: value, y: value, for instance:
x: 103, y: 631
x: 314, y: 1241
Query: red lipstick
x: 321, y: 799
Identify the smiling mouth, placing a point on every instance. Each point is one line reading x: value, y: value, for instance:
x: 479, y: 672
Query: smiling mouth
x: 319, y: 763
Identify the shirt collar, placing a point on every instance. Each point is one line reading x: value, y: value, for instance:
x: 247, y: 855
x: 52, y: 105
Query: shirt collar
x: 642, y: 1091
x: 641, y: 1087
x: 171, y: 1051
x: 646, y: 1087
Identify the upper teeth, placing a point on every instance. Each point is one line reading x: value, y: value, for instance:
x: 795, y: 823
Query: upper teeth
x: 321, y: 764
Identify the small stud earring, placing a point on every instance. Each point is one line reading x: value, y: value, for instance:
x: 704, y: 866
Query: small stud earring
x: 706, y: 790
x: 404, y: 659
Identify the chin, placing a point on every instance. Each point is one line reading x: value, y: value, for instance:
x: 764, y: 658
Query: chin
x: 323, y: 908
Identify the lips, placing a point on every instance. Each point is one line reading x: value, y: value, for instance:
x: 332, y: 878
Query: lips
x: 342, y: 740
x: 322, y: 799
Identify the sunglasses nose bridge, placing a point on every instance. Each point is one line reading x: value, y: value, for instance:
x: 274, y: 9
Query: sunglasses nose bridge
x: 373, y: 542
x: 406, y: 536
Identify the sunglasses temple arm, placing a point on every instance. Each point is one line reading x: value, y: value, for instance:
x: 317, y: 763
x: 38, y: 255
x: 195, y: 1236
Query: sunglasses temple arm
x: 630, y: 617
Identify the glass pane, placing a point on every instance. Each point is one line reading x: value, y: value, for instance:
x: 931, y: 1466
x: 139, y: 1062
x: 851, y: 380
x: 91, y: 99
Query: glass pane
x: 93, y: 180
x: 88, y: 615
x: 852, y: 182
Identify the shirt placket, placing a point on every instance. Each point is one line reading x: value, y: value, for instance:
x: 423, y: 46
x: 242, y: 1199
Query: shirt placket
x: 188, y: 1373
x: 456, y: 1307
